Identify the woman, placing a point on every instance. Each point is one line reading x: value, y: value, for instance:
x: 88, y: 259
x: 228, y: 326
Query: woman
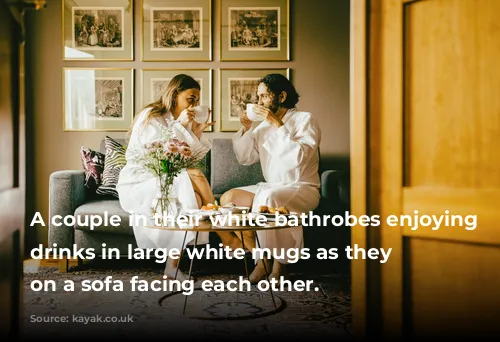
x: 137, y: 187
x: 92, y: 40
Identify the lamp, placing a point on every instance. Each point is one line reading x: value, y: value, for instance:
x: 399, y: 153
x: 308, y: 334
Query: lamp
x: 19, y: 7
x: 27, y: 5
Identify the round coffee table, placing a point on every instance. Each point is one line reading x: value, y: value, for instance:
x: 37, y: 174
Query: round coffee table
x: 206, y: 225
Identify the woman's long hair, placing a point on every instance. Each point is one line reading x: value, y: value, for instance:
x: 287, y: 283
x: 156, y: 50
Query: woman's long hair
x: 166, y: 102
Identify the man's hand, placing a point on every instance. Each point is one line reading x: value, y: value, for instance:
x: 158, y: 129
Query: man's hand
x: 187, y: 116
x: 198, y: 128
x: 269, y: 115
x: 246, y: 122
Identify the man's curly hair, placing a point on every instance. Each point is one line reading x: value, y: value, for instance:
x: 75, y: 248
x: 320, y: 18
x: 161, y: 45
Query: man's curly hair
x: 276, y: 83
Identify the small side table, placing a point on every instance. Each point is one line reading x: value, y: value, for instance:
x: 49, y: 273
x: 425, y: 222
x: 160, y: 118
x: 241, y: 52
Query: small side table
x: 279, y: 304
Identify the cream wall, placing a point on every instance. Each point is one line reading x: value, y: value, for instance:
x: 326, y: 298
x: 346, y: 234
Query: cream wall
x: 319, y: 66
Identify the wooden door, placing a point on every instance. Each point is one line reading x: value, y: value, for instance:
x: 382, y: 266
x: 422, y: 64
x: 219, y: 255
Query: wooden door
x: 12, y: 170
x: 431, y: 143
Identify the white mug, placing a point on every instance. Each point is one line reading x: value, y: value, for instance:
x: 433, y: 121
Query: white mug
x: 252, y: 115
x: 201, y: 114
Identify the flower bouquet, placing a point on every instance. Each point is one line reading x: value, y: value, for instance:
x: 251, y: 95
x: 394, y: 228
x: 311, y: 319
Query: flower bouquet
x: 166, y: 158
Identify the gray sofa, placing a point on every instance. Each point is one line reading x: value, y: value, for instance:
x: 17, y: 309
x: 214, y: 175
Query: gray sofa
x: 68, y: 196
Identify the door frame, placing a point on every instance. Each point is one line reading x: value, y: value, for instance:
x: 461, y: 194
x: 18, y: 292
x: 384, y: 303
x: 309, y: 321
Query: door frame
x: 358, y: 159
x: 376, y: 158
x: 376, y: 161
x: 12, y: 198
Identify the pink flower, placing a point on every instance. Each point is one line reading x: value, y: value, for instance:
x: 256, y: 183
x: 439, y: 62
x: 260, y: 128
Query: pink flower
x: 180, y: 143
x: 172, y: 147
x: 185, y: 151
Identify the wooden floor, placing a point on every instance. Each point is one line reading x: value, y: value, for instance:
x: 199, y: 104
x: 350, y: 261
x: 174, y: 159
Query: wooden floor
x: 33, y: 265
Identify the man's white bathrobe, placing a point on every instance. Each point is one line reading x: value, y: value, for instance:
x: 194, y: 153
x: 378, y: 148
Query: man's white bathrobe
x: 137, y: 187
x: 289, y: 158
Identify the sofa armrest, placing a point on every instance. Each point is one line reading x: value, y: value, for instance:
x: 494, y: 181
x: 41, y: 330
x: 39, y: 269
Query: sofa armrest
x: 66, y: 193
x: 335, y: 187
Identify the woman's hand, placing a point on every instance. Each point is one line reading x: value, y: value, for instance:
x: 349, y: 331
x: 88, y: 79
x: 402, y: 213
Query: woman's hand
x: 246, y: 122
x: 198, y: 128
x: 187, y: 116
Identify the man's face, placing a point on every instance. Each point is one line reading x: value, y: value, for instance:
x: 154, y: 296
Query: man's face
x: 267, y: 98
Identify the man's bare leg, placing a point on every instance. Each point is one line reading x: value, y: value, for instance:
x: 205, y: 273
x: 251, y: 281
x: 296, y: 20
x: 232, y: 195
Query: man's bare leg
x: 238, y: 197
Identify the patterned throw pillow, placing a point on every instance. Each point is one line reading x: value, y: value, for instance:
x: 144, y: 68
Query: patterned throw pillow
x: 93, y: 166
x: 113, y: 164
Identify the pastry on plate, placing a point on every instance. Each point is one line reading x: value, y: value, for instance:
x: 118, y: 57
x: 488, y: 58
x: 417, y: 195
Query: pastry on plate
x: 210, y: 206
x: 264, y: 209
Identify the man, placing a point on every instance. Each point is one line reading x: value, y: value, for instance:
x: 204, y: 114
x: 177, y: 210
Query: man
x: 286, y: 144
x: 112, y: 28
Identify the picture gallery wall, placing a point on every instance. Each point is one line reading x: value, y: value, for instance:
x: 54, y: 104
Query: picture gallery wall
x: 100, y: 98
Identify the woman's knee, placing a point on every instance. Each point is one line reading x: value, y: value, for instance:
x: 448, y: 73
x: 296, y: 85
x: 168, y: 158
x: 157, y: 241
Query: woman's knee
x: 196, y: 173
x: 198, y: 199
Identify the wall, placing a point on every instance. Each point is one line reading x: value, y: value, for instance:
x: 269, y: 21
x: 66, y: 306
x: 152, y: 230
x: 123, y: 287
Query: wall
x: 319, y: 66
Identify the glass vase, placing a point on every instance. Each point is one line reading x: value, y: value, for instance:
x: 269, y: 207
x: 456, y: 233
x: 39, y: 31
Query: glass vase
x: 166, y: 207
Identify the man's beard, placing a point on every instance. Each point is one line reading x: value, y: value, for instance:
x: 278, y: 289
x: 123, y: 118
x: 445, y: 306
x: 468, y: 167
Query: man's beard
x: 274, y: 107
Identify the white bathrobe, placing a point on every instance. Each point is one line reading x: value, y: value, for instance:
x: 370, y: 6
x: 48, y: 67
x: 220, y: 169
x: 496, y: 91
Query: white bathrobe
x: 137, y: 188
x: 289, y: 158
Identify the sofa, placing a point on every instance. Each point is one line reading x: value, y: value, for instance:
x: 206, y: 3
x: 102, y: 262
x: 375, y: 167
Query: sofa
x: 68, y: 196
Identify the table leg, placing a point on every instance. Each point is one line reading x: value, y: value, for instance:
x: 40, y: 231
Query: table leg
x: 190, y: 270
x: 245, y: 258
x: 180, y: 257
x: 265, y: 270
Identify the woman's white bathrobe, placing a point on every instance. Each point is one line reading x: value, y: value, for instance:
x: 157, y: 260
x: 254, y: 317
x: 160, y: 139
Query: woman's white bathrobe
x: 137, y: 188
x: 290, y: 159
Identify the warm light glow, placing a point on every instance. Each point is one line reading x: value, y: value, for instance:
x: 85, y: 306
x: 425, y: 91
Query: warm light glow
x: 73, y: 53
x: 39, y: 4
x: 80, y: 98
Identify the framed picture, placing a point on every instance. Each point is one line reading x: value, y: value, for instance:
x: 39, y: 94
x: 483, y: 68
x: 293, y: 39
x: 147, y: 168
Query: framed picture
x: 98, y: 99
x: 255, y: 30
x: 238, y: 88
x: 92, y: 31
x: 154, y: 82
x: 177, y: 30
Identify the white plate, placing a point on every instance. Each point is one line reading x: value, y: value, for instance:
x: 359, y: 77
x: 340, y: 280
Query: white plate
x: 234, y: 210
x: 272, y: 217
x: 201, y: 213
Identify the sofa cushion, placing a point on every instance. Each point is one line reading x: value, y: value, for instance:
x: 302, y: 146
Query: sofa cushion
x: 102, y: 147
x: 226, y: 172
x: 93, y: 166
x: 113, y: 163
x: 112, y: 207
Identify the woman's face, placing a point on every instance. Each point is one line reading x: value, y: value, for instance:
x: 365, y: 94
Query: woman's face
x: 187, y: 98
